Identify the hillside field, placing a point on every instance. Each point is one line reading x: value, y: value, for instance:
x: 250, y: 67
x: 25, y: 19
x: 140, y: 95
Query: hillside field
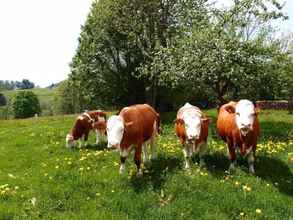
x: 45, y: 96
x: 41, y: 179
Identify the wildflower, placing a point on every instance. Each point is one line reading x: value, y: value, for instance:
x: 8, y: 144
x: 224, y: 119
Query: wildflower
x: 69, y: 162
x: 81, y: 169
x: 98, y: 194
x: 88, y: 168
x: 33, y: 201
x: 258, y: 211
x: 11, y: 176
x: 241, y: 213
x: 57, y: 167
x: 237, y: 183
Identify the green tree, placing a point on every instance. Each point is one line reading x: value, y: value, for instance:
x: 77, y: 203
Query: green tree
x: 25, y: 104
x: 67, y: 100
x: 119, y: 37
x: 231, y: 55
x: 3, y: 100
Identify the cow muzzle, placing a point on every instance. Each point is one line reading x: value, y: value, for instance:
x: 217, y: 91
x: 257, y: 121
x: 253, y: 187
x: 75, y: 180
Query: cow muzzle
x: 113, y: 146
x: 245, y: 130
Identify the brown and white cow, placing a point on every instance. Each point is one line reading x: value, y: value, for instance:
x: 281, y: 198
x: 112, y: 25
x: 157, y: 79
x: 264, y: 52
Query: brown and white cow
x: 134, y: 126
x: 92, y: 120
x: 191, y: 127
x: 238, y: 126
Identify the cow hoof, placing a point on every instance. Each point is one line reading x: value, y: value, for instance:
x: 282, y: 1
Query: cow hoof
x: 122, y: 169
x: 139, y: 173
x: 202, y: 163
x: 154, y: 156
x: 252, y: 171
x: 231, y: 168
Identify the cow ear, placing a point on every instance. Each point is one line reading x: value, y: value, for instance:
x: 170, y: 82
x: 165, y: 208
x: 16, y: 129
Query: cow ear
x: 179, y: 121
x: 206, y: 120
x: 230, y: 108
x: 257, y: 110
x: 128, y: 124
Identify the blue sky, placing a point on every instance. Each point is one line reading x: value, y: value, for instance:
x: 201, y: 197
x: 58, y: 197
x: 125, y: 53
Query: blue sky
x: 39, y: 37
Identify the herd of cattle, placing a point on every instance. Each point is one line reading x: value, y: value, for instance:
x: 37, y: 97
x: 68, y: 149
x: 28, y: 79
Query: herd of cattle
x: 137, y: 126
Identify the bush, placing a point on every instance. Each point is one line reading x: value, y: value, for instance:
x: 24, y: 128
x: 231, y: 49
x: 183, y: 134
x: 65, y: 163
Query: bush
x: 3, y: 100
x: 25, y: 104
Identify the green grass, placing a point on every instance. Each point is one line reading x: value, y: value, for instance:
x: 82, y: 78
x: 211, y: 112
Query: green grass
x: 46, y: 180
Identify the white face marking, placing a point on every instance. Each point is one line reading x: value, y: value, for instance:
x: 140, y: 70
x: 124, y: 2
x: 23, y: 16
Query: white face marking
x: 115, y: 130
x: 245, y: 115
x: 69, y: 141
x: 192, y: 123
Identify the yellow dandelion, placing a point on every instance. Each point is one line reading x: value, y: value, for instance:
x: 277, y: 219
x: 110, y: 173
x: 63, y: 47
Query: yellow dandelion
x: 88, y: 168
x: 258, y: 211
x: 237, y: 184
x: 57, y: 167
x: 69, y: 162
x: 241, y: 213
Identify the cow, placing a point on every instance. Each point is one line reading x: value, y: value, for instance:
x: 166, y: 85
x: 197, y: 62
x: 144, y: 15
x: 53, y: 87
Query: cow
x: 238, y: 126
x: 135, y: 125
x: 90, y: 120
x: 191, y: 127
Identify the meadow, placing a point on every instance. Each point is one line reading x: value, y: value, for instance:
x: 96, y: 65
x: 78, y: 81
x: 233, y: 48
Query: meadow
x: 41, y: 179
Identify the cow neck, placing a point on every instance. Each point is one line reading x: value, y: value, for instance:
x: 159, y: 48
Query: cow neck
x: 89, y: 117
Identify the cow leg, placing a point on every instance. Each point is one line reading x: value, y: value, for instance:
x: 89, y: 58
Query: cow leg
x: 80, y: 143
x: 98, y: 136
x: 202, y: 149
x: 232, y: 157
x: 122, y: 164
x: 145, y: 153
x: 86, y: 135
x: 137, y: 159
x: 124, y: 151
x: 251, y: 159
x: 187, y: 152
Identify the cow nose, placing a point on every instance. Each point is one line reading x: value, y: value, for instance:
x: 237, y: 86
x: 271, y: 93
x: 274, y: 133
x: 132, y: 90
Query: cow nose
x: 246, y: 126
x: 193, y: 137
x: 113, y: 145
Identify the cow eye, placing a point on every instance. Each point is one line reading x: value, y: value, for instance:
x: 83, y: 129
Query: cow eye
x: 237, y: 113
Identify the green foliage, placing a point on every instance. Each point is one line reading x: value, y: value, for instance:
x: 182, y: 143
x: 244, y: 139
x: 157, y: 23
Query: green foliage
x: 67, y: 99
x: 46, y: 180
x: 25, y: 104
x: 3, y: 100
x: 147, y: 51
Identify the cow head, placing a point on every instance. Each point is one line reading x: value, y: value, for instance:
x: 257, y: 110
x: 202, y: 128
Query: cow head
x: 245, y: 114
x: 192, y: 124
x: 115, y: 130
x: 70, y: 141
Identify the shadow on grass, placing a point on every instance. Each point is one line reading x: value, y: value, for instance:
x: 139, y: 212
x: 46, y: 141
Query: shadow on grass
x: 269, y: 169
x: 277, y: 130
x: 156, y: 173
x: 100, y: 146
x: 277, y: 172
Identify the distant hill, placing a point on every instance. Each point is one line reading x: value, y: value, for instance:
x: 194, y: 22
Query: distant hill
x: 45, y: 95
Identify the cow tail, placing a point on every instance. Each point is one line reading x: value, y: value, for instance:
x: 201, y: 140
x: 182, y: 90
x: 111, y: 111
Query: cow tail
x: 159, y: 129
